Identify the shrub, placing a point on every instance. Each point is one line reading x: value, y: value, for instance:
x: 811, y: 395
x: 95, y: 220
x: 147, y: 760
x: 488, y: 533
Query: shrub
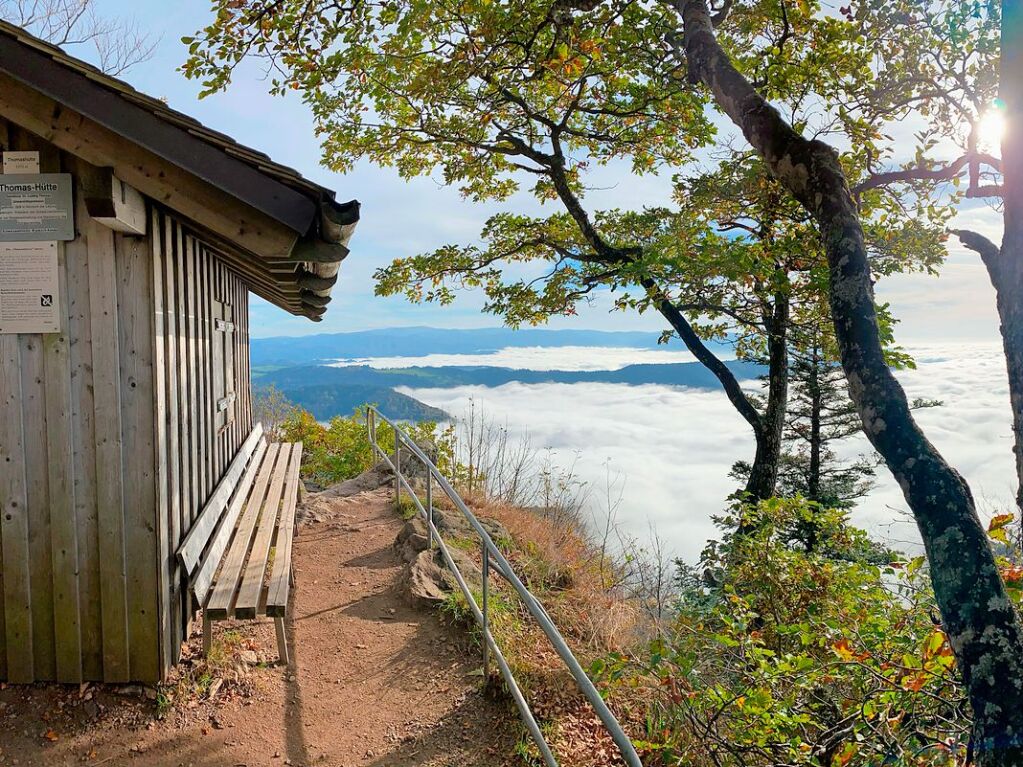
x: 340, y: 449
x: 780, y: 655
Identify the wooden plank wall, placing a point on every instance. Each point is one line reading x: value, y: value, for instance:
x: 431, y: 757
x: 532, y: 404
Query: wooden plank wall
x: 77, y: 464
x: 192, y: 452
x: 109, y: 446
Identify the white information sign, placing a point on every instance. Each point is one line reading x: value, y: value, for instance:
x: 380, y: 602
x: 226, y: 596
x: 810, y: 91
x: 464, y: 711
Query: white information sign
x: 29, y: 288
x: 36, y: 208
x: 21, y: 162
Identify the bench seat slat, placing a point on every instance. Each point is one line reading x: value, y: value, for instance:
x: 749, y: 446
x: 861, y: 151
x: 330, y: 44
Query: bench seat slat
x: 254, y: 572
x: 280, y: 577
x: 219, y: 606
x: 202, y: 580
x: 191, y: 549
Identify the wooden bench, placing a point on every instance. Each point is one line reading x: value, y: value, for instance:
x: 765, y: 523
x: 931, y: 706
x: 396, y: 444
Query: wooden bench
x: 227, y: 553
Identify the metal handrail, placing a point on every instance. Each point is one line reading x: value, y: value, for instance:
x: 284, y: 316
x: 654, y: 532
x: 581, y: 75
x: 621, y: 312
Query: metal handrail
x: 494, y: 559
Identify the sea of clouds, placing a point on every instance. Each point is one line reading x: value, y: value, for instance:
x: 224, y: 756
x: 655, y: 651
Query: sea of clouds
x: 534, y: 358
x: 673, y: 447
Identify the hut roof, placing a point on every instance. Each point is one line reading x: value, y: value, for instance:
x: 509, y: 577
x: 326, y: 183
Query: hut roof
x: 283, y: 233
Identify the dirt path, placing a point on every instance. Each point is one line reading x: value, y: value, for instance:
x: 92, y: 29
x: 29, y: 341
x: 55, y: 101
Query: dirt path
x: 375, y: 681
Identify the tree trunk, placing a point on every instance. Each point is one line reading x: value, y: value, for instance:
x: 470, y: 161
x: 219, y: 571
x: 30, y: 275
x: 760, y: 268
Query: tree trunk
x: 1005, y: 265
x: 763, y: 478
x: 767, y: 430
x: 1004, y: 268
x: 813, y: 479
x: 765, y: 462
x: 1010, y: 261
x: 977, y: 615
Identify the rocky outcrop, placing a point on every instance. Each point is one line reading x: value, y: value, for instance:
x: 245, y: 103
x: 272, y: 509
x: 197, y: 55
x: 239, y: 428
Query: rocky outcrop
x: 371, y: 479
x: 426, y: 580
x: 426, y: 576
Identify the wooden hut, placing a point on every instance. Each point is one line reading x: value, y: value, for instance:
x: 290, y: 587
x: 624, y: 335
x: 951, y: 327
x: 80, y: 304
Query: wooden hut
x: 130, y: 239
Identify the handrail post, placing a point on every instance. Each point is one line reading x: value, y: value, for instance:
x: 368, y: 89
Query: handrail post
x: 429, y: 506
x: 372, y: 426
x: 397, y: 472
x: 486, y: 613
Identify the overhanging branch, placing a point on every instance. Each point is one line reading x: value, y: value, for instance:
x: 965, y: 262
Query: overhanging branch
x: 943, y: 173
x: 989, y: 253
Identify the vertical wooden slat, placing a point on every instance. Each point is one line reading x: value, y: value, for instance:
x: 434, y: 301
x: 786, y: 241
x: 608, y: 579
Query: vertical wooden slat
x: 247, y: 364
x: 207, y: 355
x: 162, y: 438
x: 170, y: 371
x: 17, y: 592
x: 185, y: 416
x: 60, y: 466
x: 218, y: 363
x: 231, y: 386
x: 10, y: 410
x: 211, y: 422
x: 193, y: 397
x: 200, y: 392
x: 239, y: 295
x: 147, y: 566
x: 77, y: 304
x: 3, y: 483
x: 232, y: 368
x: 33, y: 408
x: 102, y: 270
x: 241, y: 358
x: 184, y: 406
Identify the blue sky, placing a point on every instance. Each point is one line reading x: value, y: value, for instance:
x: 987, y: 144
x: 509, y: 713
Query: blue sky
x: 401, y: 218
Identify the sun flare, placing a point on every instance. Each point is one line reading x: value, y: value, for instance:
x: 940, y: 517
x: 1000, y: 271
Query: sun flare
x: 990, y: 129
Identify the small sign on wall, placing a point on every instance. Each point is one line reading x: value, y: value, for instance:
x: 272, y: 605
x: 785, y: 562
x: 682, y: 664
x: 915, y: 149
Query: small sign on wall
x: 36, y: 207
x: 21, y: 162
x: 29, y: 288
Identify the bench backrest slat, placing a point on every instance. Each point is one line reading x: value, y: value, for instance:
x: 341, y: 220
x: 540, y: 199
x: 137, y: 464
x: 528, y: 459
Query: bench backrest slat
x: 221, y: 600
x: 254, y: 572
x: 280, y: 577
x: 198, y: 538
x: 203, y: 578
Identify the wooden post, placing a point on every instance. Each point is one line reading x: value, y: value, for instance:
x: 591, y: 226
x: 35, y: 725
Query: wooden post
x: 282, y: 641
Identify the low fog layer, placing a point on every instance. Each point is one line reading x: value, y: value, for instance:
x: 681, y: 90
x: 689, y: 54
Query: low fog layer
x: 675, y: 446
x: 534, y: 358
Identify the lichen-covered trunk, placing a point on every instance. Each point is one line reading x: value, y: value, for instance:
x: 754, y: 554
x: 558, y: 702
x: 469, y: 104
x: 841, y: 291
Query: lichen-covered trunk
x: 1007, y: 272
x: 1009, y: 290
x: 976, y: 613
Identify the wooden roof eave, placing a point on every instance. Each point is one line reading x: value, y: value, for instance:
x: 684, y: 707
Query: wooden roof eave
x: 181, y: 192
x: 286, y: 291
x: 100, y: 99
x: 258, y: 248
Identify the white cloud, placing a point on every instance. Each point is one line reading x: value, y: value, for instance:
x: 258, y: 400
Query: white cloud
x: 675, y: 446
x: 972, y: 429
x: 535, y: 358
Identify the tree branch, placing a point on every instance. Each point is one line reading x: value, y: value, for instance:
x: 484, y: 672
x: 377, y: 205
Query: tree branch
x: 989, y: 253
x: 944, y: 173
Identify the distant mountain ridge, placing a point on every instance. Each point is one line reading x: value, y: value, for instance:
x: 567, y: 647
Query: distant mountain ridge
x: 691, y: 374
x: 327, y: 401
x: 421, y: 341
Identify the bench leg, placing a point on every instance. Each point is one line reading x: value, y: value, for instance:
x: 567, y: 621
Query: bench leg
x: 282, y: 641
x: 207, y: 634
